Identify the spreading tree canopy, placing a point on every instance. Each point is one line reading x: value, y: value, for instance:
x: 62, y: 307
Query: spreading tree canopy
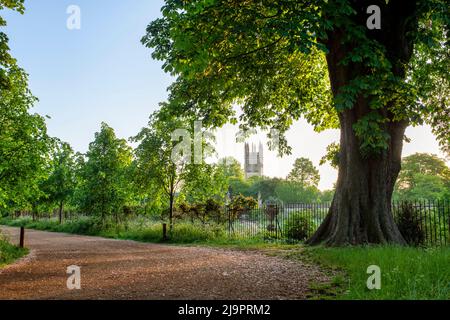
x: 423, y: 177
x: 324, y: 61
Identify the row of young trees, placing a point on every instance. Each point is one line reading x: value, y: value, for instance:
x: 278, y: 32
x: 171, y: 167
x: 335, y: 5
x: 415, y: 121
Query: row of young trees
x: 111, y: 180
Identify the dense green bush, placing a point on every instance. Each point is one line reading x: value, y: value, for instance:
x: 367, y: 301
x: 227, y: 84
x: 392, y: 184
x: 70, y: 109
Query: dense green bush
x: 298, y: 227
x: 409, y: 223
x: 207, y: 212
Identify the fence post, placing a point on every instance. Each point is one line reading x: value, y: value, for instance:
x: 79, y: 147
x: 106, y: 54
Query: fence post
x: 22, y: 237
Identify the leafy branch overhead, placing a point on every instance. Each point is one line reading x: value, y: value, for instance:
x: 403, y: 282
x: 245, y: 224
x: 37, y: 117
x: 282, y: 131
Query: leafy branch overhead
x: 6, y: 60
x: 269, y: 58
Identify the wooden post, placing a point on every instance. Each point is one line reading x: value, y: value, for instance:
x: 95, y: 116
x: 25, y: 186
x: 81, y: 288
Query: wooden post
x: 164, y: 231
x: 22, y: 237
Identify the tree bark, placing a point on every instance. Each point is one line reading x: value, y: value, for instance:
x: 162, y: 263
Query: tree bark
x: 61, y: 208
x: 34, y: 211
x: 361, y: 209
x: 171, y: 200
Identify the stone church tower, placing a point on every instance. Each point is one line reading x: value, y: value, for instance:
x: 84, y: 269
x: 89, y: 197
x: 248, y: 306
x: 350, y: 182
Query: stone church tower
x: 254, y: 161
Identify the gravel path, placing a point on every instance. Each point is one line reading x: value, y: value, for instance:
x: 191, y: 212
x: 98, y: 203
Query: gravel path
x: 114, y: 269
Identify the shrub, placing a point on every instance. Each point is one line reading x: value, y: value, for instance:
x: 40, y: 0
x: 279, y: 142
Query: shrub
x: 240, y: 205
x: 409, y: 223
x: 298, y: 227
x: 208, y: 212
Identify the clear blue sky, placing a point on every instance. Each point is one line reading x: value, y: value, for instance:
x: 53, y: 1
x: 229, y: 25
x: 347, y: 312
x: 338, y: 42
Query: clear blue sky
x: 103, y: 73
x: 98, y: 73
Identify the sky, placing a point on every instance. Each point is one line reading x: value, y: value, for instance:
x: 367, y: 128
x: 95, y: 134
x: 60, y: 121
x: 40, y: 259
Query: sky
x: 101, y: 72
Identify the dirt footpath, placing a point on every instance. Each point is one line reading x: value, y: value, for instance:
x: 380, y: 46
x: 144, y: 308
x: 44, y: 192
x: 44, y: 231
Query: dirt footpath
x: 113, y: 269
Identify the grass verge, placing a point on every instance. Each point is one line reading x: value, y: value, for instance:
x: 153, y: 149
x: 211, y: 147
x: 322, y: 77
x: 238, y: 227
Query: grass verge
x: 9, y: 253
x: 406, y: 273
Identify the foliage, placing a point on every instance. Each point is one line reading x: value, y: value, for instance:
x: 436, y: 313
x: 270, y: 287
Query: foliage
x: 294, y: 192
x: 24, y: 144
x: 298, y: 227
x: 423, y: 177
x: 156, y: 162
x: 269, y: 57
x: 332, y: 155
x: 105, y: 187
x: 184, y: 232
x: 305, y: 173
x: 326, y: 196
x: 7, y: 62
x: 409, y: 223
x: 407, y: 273
x: 278, y: 61
x: 239, y: 186
x: 205, y: 182
x: 209, y: 211
x: 231, y: 168
x: 263, y: 186
x: 430, y: 77
x: 82, y: 226
x: 9, y: 252
x: 60, y: 184
x: 148, y: 197
x: 239, y: 205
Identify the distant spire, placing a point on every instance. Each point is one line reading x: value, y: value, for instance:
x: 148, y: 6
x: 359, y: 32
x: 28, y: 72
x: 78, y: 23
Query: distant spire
x: 254, y: 160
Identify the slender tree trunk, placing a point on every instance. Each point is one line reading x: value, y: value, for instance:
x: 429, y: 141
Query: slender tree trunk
x: 361, y: 209
x: 34, y: 212
x: 61, y: 209
x: 171, y: 199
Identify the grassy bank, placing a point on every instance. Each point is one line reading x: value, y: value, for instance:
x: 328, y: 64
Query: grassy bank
x: 406, y: 273
x: 9, y: 253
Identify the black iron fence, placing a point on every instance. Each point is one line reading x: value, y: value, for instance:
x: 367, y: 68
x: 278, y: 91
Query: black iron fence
x: 295, y: 222
x: 424, y: 223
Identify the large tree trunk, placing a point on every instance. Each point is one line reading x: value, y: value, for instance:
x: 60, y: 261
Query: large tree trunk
x: 361, y: 209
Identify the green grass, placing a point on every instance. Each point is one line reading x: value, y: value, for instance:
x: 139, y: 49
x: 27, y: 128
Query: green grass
x: 9, y: 253
x: 406, y: 273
